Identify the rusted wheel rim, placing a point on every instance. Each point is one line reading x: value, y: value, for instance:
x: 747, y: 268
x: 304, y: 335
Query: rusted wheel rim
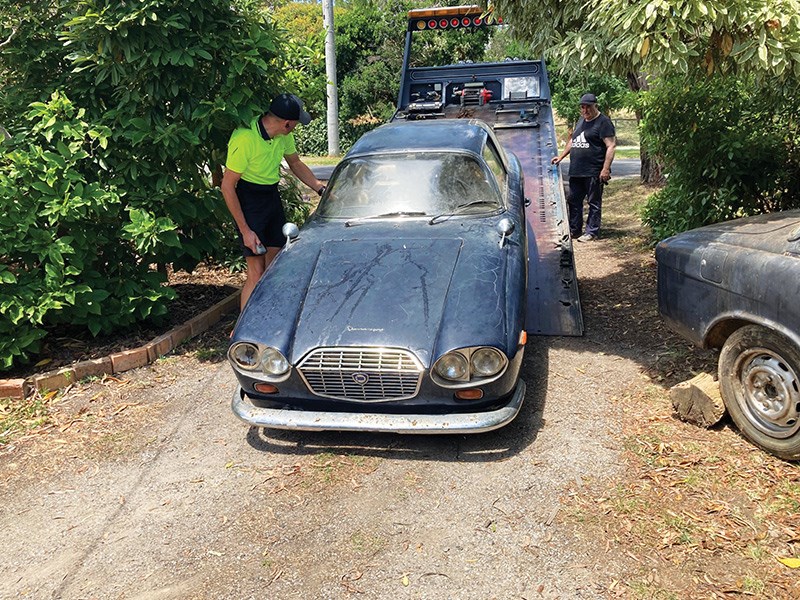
x: 770, y: 392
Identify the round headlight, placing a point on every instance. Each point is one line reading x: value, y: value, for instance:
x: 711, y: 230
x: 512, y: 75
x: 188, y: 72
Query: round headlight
x: 486, y: 362
x: 452, y: 365
x: 274, y: 363
x: 245, y: 355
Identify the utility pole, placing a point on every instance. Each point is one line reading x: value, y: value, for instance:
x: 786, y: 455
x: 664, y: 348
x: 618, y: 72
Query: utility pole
x: 330, y: 72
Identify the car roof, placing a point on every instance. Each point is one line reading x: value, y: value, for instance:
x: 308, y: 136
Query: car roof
x: 448, y: 135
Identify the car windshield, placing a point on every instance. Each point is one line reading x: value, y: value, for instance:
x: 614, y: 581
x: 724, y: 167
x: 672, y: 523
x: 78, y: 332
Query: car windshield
x: 411, y: 184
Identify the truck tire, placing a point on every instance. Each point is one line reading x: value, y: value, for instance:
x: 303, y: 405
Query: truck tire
x: 759, y: 375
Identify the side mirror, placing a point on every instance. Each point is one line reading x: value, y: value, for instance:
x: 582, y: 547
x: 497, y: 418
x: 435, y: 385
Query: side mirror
x: 505, y: 227
x: 291, y: 231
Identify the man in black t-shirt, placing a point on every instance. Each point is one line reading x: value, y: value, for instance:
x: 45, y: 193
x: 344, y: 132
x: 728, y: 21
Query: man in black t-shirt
x: 591, y: 148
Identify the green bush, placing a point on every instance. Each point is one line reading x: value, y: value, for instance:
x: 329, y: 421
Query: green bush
x: 312, y: 139
x: 728, y: 147
x: 70, y: 250
x: 99, y: 192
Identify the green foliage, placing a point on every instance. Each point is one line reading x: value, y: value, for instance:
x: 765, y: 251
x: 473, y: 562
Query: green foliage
x: 729, y: 147
x: 503, y: 44
x: 171, y: 80
x: 312, y: 140
x: 305, y: 50
x: 62, y: 260
x: 567, y: 88
x: 662, y: 37
x: 369, y: 56
x: 98, y: 188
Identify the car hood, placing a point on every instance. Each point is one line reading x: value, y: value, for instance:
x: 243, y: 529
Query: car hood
x: 774, y: 232
x: 425, y: 295
x: 367, y: 293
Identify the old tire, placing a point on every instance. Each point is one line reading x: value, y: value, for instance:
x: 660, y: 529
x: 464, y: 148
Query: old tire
x: 759, y: 375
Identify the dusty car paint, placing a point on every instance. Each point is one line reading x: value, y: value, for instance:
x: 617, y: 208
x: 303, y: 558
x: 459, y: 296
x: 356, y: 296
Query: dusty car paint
x: 736, y: 286
x: 419, y: 285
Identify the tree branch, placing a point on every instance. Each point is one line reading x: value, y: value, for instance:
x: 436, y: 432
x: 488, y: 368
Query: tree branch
x: 11, y: 35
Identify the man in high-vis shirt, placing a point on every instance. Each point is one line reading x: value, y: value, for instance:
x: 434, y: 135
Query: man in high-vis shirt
x: 250, y: 182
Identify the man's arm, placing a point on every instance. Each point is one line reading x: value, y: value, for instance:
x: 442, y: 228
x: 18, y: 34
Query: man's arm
x: 560, y: 157
x: 611, y: 147
x: 303, y: 173
x: 228, y: 187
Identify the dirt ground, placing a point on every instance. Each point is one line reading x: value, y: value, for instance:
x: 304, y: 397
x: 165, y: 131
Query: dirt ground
x: 146, y: 486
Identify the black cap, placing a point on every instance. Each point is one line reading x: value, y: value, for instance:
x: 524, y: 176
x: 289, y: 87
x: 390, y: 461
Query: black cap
x: 289, y: 107
x: 588, y: 99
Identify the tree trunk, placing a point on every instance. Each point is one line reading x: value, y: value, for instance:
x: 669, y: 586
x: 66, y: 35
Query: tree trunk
x: 330, y: 71
x: 651, y: 169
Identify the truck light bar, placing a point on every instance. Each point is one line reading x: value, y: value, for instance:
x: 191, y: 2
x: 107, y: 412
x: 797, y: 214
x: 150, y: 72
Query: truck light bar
x: 450, y: 17
x: 447, y: 11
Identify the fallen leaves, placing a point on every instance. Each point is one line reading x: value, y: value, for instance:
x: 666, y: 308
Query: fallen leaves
x: 792, y: 563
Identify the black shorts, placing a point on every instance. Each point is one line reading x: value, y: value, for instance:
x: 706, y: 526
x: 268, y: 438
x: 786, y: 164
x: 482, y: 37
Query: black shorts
x: 263, y: 211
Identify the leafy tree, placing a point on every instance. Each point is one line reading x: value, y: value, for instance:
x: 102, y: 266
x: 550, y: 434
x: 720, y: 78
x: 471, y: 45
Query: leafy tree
x: 112, y: 174
x: 661, y: 37
x: 730, y: 147
x: 68, y: 256
x: 567, y: 88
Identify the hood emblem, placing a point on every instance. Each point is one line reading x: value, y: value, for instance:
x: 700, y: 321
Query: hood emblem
x: 360, y: 378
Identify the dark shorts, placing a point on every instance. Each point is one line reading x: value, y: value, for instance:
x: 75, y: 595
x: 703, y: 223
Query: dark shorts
x: 263, y: 211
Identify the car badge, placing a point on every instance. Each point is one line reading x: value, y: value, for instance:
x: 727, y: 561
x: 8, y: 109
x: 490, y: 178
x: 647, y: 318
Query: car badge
x: 360, y: 378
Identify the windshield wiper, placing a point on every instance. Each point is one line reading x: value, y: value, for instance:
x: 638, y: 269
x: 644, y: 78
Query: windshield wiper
x: 459, y: 209
x: 389, y: 215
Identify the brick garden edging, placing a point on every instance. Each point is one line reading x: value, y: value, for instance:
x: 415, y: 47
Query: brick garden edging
x: 120, y: 361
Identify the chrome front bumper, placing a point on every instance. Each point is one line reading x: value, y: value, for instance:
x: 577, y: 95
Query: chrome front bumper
x: 308, y: 420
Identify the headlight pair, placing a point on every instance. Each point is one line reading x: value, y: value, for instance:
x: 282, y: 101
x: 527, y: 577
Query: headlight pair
x: 252, y: 357
x: 465, y: 364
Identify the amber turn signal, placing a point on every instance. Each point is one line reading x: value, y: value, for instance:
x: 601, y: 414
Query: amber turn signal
x: 470, y: 394
x: 266, y: 388
x: 523, y: 337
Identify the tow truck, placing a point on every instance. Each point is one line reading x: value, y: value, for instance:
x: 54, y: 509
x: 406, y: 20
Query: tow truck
x: 513, y: 98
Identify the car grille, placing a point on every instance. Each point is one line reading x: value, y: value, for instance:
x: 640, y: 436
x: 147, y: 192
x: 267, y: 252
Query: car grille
x: 362, y: 374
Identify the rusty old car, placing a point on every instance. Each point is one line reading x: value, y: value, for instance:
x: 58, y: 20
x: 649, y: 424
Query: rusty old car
x: 736, y: 286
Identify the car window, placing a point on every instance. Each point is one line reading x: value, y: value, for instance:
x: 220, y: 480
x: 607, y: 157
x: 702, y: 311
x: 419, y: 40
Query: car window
x: 414, y: 182
x: 495, y: 164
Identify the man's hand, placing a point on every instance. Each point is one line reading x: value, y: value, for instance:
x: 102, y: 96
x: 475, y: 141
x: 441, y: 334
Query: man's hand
x: 605, y: 175
x: 556, y: 160
x: 251, y: 241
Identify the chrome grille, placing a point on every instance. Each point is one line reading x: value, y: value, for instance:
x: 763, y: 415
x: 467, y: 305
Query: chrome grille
x: 362, y: 374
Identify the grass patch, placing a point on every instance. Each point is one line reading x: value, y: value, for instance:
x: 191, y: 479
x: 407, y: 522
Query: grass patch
x: 693, y: 501
x: 315, y: 161
x: 19, y: 417
x: 627, y: 152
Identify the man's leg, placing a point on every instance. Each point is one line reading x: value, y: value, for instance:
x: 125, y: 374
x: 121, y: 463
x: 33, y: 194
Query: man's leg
x: 595, y: 196
x: 577, y: 192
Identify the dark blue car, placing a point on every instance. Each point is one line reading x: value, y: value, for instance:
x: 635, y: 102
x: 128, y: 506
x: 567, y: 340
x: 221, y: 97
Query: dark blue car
x: 400, y: 305
x: 736, y: 286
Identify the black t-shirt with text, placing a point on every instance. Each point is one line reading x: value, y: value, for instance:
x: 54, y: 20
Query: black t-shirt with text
x: 588, y: 151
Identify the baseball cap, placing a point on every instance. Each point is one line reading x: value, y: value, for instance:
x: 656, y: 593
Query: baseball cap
x: 289, y: 107
x: 588, y: 99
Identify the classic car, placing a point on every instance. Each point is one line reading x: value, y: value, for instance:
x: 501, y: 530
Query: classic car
x: 399, y: 306
x: 736, y: 286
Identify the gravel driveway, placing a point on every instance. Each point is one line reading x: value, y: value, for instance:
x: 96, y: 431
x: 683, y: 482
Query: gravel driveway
x: 151, y: 489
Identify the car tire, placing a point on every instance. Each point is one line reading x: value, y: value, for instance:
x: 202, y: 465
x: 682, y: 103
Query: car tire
x: 759, y: 375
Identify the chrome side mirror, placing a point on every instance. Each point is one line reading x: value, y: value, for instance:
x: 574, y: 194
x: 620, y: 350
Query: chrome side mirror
x: 505, y: 227
x: 291, y: 231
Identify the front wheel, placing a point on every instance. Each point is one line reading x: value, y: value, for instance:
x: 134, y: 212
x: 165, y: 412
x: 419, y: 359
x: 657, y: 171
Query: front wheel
x: 759, y: 375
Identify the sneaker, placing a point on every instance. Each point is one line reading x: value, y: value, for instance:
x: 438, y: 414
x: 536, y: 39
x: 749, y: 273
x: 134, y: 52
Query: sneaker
x: 574, y: 234
x: 587, y: 237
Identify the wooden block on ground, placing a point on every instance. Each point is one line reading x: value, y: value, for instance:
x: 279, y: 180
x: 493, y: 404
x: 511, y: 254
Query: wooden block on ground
x: 698, y: 400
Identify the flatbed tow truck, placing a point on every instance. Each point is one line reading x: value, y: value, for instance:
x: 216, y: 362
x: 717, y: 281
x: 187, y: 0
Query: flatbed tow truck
x: 512, y: 97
